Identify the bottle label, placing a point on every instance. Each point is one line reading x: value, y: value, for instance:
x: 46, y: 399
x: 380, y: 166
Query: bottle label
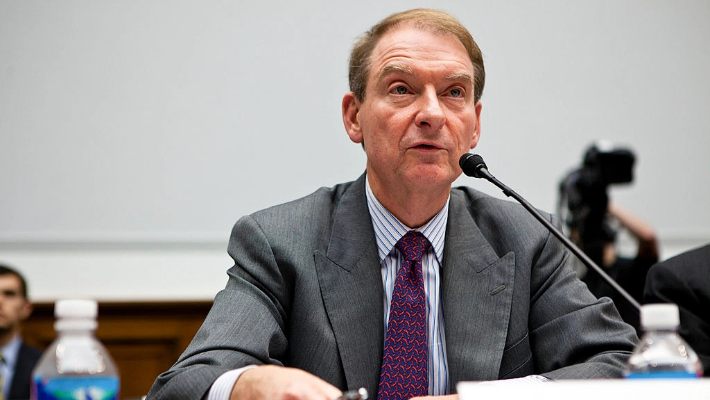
x: 76, y: 388
x: 662, y: 375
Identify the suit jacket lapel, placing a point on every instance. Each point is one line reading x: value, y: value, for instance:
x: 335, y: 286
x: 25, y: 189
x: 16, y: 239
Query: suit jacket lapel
x: 351, y: 285
x: 477, y: 296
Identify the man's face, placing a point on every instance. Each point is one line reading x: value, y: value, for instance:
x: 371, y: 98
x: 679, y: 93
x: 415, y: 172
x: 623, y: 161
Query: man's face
x: 418, y: 116
x: 14, y: 308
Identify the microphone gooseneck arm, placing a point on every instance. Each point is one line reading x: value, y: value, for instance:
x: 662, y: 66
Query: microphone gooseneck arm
x: 474, y: 166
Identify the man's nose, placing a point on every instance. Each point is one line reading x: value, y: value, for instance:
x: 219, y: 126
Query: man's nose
x: 430, y: 113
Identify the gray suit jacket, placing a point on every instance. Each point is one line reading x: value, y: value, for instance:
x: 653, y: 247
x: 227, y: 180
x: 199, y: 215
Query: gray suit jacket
x: 306, y: 292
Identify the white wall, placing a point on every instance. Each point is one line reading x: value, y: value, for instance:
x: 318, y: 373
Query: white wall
x: 134, y: 134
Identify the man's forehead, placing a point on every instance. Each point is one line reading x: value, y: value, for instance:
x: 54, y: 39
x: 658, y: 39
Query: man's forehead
x: 399, y: 35
x: 9, y: 281
x: 409, y: 57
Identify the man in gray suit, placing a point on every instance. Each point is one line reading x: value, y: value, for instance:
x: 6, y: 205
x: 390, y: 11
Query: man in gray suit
x: 304, y: 314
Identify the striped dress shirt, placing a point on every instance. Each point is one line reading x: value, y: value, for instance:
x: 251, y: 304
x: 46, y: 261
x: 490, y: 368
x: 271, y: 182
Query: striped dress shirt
x: 388, y: 231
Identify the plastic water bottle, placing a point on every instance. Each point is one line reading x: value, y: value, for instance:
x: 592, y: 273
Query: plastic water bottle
x: 661, y: 352
x: 76, y: 366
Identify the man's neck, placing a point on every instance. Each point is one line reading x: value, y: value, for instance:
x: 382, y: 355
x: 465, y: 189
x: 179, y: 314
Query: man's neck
x: 413, y: 207
x: 6, y: 336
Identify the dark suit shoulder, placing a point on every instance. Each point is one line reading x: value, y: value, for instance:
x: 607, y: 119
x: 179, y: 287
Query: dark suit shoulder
x: 686, y: 274
x: 692, y: 260
x: 682, y: 279
x: 30, y: 352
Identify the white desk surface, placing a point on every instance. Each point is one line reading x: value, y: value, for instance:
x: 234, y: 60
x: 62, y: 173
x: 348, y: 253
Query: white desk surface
x: 612, y: 389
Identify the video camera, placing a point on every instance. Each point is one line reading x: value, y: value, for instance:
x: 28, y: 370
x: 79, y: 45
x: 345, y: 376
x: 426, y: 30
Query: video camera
x: 583, y: 197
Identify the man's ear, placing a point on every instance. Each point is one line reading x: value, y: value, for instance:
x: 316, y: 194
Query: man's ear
x: 477, y: 128
x: 26, y: 310
x: 351, y: 110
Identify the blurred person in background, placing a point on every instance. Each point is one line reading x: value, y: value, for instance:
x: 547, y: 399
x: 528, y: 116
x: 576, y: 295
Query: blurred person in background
x: 685, y: 281
x: 594, y: 222
x: 18, y: 358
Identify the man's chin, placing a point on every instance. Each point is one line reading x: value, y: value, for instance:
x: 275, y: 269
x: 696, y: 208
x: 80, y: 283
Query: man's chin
x: 431, y: 176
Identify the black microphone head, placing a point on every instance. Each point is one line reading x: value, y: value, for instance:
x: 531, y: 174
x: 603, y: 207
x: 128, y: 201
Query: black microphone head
x: 471, y: 164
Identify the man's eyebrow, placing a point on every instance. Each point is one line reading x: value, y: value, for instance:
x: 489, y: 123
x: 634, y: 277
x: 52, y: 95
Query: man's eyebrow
x: 402, y: 69
x: 463, y: 76
x: 394, y: 69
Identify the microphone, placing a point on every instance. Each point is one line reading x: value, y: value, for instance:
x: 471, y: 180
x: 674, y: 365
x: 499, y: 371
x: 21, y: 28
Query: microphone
x: 474, y: 166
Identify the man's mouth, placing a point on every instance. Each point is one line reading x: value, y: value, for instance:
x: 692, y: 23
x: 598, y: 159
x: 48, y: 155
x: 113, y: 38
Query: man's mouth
x: 426, y: 146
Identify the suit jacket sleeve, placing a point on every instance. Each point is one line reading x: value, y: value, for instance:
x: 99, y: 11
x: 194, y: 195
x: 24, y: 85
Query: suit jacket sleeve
x: 222, y: 343
x: 576, y: 336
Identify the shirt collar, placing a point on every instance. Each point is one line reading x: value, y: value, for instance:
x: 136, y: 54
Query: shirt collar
x: 388, y: 229
x: 10, y: 350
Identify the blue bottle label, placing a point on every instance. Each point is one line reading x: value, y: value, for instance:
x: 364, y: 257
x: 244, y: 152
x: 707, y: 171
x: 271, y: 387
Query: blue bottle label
x: 76, y: 388
x: 662, y: 375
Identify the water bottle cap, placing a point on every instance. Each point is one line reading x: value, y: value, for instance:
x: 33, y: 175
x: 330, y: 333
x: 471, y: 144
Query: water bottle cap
x: 76, y: 308
x: 659, y: 316
x: 75, y: 314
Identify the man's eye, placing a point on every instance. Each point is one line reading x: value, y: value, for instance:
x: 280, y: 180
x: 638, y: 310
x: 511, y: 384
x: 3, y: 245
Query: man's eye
x: 456, y: 93
x: 400, y: 90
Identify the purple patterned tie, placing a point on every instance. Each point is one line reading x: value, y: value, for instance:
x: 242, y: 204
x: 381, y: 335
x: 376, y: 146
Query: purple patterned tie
x: 404, y: 362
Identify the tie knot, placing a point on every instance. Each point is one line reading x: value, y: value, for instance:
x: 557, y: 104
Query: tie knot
x: 412, y: 245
